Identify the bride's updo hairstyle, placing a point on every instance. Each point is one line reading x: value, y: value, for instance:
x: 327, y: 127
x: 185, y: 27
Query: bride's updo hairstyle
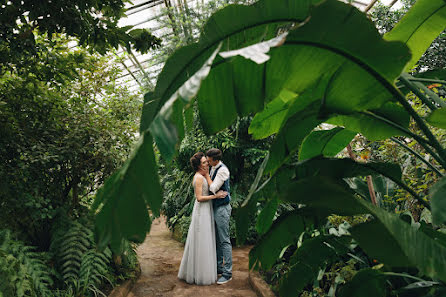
x: 195, y: 161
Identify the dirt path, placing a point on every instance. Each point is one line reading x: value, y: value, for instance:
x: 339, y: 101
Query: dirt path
x: 160, y: 257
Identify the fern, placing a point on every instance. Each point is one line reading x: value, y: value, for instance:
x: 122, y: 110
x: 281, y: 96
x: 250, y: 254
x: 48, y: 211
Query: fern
x: 80, y: 266
x: 24, y: 270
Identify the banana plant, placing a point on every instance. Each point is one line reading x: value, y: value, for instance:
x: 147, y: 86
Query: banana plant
x: 295, y: 65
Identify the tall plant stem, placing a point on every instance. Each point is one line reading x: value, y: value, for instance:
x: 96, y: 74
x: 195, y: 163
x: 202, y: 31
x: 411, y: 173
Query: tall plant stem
x: 431, y: 94
x: 396, y: 140
x: 405, y: 80
x: 423, y: 142
x: 369, y: 177
x: 421, y: 124
x: 428, y: 80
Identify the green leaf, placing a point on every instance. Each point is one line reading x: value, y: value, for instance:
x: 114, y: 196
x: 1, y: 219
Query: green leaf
x: 326, y: 142
x: 437, y: 74
x: 367, y: 283
x: 437, y: 196
x: 419, y: 27
x: 310, y: 51
x: 424, y: 252
x: 216, y: 100
x: 235, y: 26
x: 313, y: 255
x: 429, y: 230
x: 243, y: 216
x: 284, y: 230
x: 342, y: 168
x: 255, y: 185
x: 121, y: 211
x: 168, y: 126
x: 292, y: 134
x: 323, y: 193
x: 269, y: 121
x: 371, y: 127
x: 266, y: 216
x: 244, y: 213
x: 438, y: 118
x: 379, y: 244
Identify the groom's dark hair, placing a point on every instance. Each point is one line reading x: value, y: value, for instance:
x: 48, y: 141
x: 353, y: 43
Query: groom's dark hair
x: 195, y: 161
x: 215, y: 154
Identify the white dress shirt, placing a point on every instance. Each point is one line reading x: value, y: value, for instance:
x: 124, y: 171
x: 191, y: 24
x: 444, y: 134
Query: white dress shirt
x: 222, y: 175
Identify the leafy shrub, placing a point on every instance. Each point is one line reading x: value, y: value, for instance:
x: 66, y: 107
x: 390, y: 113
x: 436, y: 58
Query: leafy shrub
x: 79, y: 265
x: 23, y: 271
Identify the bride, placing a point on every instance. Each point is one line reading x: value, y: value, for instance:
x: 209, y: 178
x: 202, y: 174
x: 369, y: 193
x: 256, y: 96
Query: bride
x: 199, y: 263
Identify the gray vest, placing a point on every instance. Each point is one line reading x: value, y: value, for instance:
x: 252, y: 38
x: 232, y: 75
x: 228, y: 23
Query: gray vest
x: 225, y: 187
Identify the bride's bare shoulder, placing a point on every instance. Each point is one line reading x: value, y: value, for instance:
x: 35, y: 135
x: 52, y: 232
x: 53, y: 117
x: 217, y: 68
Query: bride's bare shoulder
x: 197, y: 179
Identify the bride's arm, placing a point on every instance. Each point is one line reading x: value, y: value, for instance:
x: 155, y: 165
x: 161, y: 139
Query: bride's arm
x: 198, y: 188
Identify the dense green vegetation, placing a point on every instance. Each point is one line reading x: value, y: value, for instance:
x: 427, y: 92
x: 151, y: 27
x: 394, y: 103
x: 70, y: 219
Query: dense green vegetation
x: 65, y: 126
x: 312, y: 68
x: 332, y: 123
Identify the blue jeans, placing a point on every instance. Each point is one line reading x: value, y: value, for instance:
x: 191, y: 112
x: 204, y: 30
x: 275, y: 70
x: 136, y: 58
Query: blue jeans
x: 222, y: 215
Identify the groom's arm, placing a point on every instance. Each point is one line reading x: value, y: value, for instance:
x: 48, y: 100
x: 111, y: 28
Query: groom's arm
x: 222, y: 175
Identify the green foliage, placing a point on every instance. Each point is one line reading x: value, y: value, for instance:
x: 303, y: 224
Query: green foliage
x: 367, y: 282
x: 437, y: 194
x: 65, y: 126
x: 24, y: 272
x: 79, y: 264
x: 386, y: 18
x: 437, y: 118
x: 326, y: 142
x: 60, y: 139
x: 419, y: 27
x: 338, y: 77
x: 94, y: 23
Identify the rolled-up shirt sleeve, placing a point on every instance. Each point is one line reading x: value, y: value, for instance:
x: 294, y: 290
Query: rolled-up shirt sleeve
x: 222, y: 175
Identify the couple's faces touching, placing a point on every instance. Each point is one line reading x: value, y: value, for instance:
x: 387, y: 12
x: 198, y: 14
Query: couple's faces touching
x: 211, y: 161
x: 206, y: 162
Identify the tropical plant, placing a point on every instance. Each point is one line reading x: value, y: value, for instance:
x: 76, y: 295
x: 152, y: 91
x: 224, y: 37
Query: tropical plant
x: 81, y: 267
x: 94, y: 24
x: 298, y: 64
x: 60, y: 138
x: 23, y: 270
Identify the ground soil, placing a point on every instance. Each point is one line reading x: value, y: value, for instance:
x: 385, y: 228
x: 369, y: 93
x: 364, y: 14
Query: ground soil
x: 160, y: 257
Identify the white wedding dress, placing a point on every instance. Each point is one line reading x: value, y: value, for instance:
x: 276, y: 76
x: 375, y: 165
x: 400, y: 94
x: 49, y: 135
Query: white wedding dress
x: 199, y: 263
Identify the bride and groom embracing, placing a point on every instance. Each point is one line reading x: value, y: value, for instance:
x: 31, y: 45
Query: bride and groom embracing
x: 208, y: 250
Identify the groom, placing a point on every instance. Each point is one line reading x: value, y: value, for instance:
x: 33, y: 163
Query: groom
x: 218, y: 179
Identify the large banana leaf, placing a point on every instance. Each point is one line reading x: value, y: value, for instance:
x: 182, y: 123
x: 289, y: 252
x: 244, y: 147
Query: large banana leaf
x: 325, y: 43
x: 327, y: 143
x: 437, y: 195
x: 422, y: 251
x: 366, y: 283
x: 235, y: 26
x: 168, y: 126
x: 372, y: 127
x: 342, y: 168
x: 285, y: 230
x: 438, y: 118
x: 419, y: 27
x: 120, y: 205
x: 335, y: 62
x: 313, y: 255
x: 408, y: 245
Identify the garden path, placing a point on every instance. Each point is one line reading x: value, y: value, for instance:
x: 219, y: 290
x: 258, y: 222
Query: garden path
x: 160, y: 257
